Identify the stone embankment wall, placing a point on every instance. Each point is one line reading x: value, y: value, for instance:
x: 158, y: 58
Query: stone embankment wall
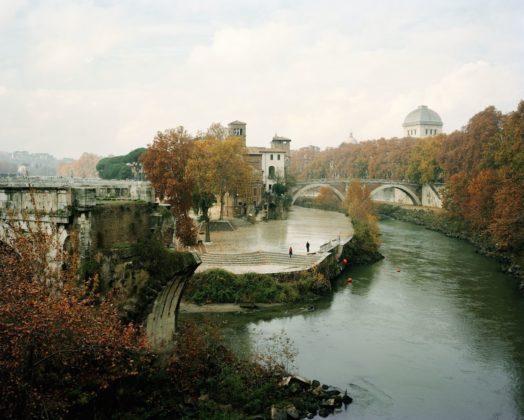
x: 109, y: 219
x: 329, y: 266
x: 148, y: 291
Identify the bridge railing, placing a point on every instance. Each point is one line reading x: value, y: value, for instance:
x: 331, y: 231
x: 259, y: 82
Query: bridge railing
x: 328, y: 246
x: 348, y: 180
x: 62, y: 181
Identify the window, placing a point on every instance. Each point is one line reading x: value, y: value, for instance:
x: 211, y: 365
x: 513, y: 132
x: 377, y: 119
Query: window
x: 278, y: 157
x: 426, y: 131
x: 270, y: 187
x: 271, y: 157
x: 271, y: 174
x: 237, y: 131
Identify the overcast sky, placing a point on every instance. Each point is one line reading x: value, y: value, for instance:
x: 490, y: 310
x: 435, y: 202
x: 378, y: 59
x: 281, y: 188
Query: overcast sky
x: 104, y: 76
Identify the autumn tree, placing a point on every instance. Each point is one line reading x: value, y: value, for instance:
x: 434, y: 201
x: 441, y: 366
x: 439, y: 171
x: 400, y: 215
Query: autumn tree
x: 366, y: 236
x: 358, y: 201
x: 423, y: 164
x: 327, y: 199
x: 202, y: 202
x: 84, y: 167
x: 217, y: 131
x: 507, y: 223
x: 59, y: 346
x: 220, y: 167
x: 165, y: 164
x: 481, y: 198
x: 510, y: 153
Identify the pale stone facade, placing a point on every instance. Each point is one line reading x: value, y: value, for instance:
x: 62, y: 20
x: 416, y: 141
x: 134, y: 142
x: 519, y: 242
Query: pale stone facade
x: 269, y: 166
x: 238, y: 129
x: 422, y: 122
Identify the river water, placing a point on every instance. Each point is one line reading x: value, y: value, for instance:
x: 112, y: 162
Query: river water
x: 434, y: 331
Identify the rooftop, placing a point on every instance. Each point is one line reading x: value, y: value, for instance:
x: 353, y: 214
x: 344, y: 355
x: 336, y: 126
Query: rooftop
x: 422, y: 115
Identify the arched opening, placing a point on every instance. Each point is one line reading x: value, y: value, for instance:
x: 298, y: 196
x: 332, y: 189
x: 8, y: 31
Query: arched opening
x: 271, y: 173
x: 301, y: 192
x: 378, y: 194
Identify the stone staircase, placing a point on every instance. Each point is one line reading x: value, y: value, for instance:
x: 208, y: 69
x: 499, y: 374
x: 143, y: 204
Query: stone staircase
x: 259, y: 261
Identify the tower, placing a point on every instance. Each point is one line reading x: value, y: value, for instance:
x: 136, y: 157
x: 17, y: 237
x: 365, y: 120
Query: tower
x: 238, y: 129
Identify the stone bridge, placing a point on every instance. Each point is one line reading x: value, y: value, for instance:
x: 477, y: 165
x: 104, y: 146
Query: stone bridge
x: 104, y: 219
x: 381, y: 190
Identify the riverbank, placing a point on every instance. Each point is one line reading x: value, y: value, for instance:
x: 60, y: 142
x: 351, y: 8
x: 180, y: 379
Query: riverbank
x: 441, y: 221
x: 193, y: 308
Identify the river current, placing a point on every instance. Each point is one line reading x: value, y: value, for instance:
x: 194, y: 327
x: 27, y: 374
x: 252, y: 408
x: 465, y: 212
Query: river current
x: 433, y: 331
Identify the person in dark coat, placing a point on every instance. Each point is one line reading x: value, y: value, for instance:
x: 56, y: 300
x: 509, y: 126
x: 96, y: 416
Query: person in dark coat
x: 290, y: 252
x: 307, y: 247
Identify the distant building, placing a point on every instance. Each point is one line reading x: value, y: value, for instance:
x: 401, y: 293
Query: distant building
x: 270, y: 162
x: 269, y: 167
x: 22, y: 170
x: 237, y: 129
x: 422, y: 122
x: 351, y: 139
x: 282, y: 143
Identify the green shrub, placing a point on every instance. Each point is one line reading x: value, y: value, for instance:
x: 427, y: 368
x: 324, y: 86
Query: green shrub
x: 213, y: 286
x: 220, y: 286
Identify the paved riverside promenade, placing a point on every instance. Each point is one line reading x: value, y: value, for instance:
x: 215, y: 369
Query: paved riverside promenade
x: 263, y: 247
x: 259, y: 262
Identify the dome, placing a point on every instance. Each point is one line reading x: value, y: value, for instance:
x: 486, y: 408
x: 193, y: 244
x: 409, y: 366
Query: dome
x: 422, y: 116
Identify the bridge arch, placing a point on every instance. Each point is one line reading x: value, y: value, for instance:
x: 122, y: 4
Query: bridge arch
x: 405, y: 189
x: 303, y: 190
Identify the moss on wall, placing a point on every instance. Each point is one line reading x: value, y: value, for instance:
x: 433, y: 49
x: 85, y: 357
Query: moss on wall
x: 119, y: 223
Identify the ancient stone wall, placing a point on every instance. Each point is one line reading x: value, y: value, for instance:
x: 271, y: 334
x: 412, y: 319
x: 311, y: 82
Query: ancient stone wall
x: 115, y: 224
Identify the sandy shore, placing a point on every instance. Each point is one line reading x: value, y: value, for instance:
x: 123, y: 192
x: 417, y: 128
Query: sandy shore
x: 186, y: 307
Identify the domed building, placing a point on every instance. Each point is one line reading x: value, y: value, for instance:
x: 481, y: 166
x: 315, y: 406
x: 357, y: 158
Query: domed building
x: 422, y: 122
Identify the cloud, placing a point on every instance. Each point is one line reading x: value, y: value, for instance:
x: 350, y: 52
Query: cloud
x: 9, y: 9
x: 66, y: 38
x: 104, y: 79
x: 472, y: 87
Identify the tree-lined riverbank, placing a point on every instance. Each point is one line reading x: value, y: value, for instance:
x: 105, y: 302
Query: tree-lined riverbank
x: 456, y: 227
x: 431, y: 331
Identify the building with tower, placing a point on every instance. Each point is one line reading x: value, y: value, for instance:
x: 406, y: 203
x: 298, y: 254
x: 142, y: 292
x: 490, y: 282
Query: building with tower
x: 422, y: 122
x: 237, y: 129
x: 269, y: 167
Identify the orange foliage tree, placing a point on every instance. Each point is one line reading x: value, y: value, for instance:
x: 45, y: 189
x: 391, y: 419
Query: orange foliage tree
x: 220, y: 167
x: 84, y: 167
x: 507, y: 223
x: 358, y: 201
x: 327, y: 199
x: 479, y: 165
x: 165, y: 164
x: 58, y: 347
x: 481, y: 198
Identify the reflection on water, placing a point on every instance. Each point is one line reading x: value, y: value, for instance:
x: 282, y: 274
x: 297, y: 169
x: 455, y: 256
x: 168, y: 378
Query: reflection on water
x: 434, y: 331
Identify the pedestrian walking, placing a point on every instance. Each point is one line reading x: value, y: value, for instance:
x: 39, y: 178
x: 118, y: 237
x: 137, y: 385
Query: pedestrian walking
x: 290, y: 252
x: 307, y: 247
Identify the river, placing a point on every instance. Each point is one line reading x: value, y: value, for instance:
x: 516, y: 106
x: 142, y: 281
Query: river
x: 434, y: 331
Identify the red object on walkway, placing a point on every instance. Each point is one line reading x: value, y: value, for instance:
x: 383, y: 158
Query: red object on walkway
x: 344, y: 261
x: 350, y: 280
